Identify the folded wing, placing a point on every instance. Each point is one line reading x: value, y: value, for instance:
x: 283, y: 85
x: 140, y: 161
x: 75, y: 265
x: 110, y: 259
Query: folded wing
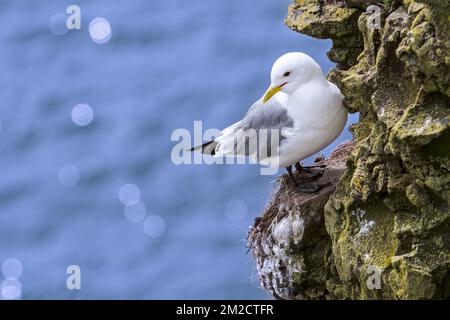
x: 258, y: 135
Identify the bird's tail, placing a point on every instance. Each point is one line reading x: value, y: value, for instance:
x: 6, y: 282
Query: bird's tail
x: 206, y: 148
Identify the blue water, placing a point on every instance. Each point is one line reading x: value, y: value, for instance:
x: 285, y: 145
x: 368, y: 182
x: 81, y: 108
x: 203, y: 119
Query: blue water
x: 168, y: 63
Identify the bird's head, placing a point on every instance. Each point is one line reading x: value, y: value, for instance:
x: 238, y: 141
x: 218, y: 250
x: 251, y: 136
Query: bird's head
x: 290, y: 71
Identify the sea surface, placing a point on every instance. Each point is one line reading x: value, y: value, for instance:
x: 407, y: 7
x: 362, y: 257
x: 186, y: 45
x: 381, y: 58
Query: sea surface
x: 87, y: 178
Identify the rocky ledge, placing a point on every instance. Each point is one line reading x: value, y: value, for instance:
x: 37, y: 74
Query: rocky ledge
x: 381, y: 229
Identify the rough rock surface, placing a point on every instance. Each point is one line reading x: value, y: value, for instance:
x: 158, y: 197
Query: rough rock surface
x: 290, y: 243
x: 389, y: 211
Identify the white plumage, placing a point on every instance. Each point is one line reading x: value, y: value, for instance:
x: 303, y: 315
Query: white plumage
x: 300, y: 103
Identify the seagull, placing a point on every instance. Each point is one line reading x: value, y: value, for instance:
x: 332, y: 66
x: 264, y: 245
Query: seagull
x: 302, y: 108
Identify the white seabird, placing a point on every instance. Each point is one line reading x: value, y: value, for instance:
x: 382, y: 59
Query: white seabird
x: 301, y: 105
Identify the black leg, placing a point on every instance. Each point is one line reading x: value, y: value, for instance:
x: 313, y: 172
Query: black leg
x: 305, y: 188
x: 289, y: 170
x: 308, y: 172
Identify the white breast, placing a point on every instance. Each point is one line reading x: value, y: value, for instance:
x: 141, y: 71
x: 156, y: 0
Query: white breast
x: 319, y: 118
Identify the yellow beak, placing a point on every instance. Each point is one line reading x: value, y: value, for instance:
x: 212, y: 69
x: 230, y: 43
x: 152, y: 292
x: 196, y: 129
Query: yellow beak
x: 271, y: 92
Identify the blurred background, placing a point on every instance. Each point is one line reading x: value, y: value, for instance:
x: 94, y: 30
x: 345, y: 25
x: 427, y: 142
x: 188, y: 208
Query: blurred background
x: 86, y: 118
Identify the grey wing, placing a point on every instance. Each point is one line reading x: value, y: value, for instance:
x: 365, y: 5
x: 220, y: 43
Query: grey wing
x: 259, y: 133
x: 269, y: 115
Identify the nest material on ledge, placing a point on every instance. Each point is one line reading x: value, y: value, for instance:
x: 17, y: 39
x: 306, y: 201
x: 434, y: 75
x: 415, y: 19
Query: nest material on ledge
x: 289, y: 241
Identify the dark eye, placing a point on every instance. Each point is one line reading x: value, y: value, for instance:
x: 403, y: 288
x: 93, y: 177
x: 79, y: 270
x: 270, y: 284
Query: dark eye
x: 286, y: 74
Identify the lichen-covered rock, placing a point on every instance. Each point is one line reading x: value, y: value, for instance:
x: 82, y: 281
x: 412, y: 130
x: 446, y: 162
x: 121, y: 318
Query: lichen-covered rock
x: 390, y: 210
x: 335, y: 22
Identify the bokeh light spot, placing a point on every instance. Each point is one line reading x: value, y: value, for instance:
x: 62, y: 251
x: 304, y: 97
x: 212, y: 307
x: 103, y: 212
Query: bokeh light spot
x: 57, y: 24
x: 12, y: 268
x: 129, y: 194
x: 82, y: 115
x: 154, y: 226
x: 100, y: 30
x: 10, y: 289
x: 135, y: 212
x: 69, y: 175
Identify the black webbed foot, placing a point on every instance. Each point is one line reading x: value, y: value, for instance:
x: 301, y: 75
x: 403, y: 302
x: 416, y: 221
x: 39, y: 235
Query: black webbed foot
x: 308, y: 173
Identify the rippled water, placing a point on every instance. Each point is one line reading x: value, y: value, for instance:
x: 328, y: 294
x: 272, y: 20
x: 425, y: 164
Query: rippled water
x: 94, y: 185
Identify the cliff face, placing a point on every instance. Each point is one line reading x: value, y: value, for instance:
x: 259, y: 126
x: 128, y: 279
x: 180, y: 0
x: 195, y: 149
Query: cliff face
x: 382, y: 228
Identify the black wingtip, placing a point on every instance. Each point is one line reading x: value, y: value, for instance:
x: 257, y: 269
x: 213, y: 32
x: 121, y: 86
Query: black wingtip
x: 203, y: 148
